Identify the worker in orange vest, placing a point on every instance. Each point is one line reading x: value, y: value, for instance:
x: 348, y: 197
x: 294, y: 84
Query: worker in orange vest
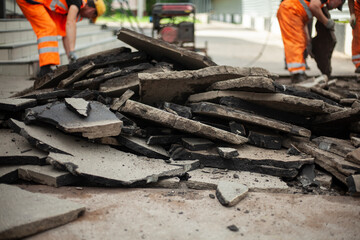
x: 354, y: 7
x: 293, y: 16
x: 50, y: 18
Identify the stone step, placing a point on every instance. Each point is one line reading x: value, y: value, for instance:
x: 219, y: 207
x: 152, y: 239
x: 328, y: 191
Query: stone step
x: 23, y: 24
x: 13, y: 51
x: 27, y: 34
x: 28, y: 67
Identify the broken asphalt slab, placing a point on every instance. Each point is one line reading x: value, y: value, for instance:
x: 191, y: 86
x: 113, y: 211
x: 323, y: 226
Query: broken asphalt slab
x: 98, y: 163
x: 24, y: 213
x: 16, y: 150
x: 101, y: 122
x: 159, y: 49
x: 180, y: 123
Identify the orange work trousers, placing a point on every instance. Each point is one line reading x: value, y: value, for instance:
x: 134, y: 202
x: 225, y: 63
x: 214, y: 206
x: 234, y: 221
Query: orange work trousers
x: 292, y: 19
x: 47, y: 25
x: 356, y: 37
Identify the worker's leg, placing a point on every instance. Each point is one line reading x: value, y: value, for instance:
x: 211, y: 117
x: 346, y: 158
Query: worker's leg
x: 294, y: 39
x: 356, y: 39
x: 45, y: 30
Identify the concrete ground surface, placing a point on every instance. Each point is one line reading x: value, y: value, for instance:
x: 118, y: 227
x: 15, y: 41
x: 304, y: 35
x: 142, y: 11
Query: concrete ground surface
x: 189, y: 214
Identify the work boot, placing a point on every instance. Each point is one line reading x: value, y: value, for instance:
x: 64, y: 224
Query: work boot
x: 357, y: 70
x: 44, y: 70
x: 298, y: 77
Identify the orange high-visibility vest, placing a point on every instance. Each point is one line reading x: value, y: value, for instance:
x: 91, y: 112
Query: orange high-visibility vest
x: 48, y: 20
x: 293, y: 16
x: 356, y: 37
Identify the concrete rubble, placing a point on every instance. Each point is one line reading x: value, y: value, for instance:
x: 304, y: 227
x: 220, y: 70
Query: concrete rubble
x: 165, y: 117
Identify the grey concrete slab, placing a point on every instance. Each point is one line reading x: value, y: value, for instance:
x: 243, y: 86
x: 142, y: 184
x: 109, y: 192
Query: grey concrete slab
x: 99, y: 163
x: 16, y: 150
x: 16, y: 104
x: 47, y: 175
x: 46, y: 138
x: 188, y: 214
x: 78, y: 106
x: 24, y: 213
x: 101, y: 122
x: 140, y: 146
x: 110, y: 167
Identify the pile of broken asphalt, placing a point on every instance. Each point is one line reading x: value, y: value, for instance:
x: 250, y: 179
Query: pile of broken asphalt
x: 163, y: 116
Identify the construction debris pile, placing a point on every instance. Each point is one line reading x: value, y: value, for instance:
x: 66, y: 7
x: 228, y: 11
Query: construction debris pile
x: 140, y: 118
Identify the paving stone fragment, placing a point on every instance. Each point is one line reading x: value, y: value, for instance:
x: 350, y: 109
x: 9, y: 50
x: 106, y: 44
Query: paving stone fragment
x: 139, y: 145
x: 77, y: 75
x: 8, y: 174
x: 353, y: 156
x: 340, y: 147
x: 176, y: 86
x: 229, y: 194
x: 279, y: 101
x: 180, y: 123
x: 47, y: 175
x: 159, y: 49
x: 16, y: 150
x: 118, y: 102
x: 260, y: 160
x: 249, y: 83
x: 177, y: 109
x: 101, y: 122
x: 223, y: 112
x: 324, y: 179
x: 24, y: 213
x: 196, y: 144
x: 265, y: 139
x: 227, y: 153
x: 78, y: 106
x: 16, y: 104
x: 164, y: 139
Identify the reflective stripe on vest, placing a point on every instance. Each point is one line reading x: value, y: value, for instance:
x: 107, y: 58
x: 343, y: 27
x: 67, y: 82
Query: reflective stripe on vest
x: 295, y: 65
x: 356, y: 57
x: 47, y: 39
x: 59, y: 3
x: 307, y: 9
x: 48, y: 49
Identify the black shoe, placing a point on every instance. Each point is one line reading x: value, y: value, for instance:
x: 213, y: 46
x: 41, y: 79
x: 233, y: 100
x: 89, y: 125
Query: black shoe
x: 357, y: 70
x: 298, y: 77
x: 44, y: 70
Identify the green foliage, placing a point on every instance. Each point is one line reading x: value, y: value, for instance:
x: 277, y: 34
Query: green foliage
x: 108, y: 7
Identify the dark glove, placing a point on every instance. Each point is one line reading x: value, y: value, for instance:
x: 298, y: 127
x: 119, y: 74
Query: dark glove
x: 330, y: 24
x: 352, y: 20
x: 72, y: 57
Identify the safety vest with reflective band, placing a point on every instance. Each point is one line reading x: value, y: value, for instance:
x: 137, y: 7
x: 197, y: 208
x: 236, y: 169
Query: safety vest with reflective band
x: 306, y: 4
x: 355, y: 48
x: 59, y: 6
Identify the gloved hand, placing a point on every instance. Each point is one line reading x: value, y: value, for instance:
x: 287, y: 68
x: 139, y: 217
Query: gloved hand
x: 72, y: 57
x: 309, y: 49
x: 352, y: 20
x: 330, y: 24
